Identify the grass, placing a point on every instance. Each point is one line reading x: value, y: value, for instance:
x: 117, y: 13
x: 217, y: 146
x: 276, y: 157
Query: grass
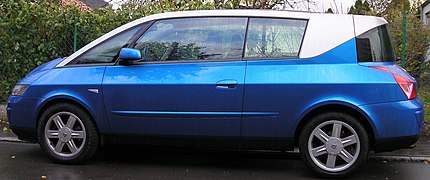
x: 3, y: 112
x: 424, y: 94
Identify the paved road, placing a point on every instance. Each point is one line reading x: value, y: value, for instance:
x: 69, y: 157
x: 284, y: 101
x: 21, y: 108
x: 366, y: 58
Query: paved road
x: 30, y: 163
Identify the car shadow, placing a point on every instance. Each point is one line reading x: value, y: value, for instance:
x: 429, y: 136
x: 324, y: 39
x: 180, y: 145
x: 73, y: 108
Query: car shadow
x: 132, y: 162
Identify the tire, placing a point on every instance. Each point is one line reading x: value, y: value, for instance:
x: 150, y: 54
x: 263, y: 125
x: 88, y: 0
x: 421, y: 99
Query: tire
x: 331, y: 153
x: 67, y: 134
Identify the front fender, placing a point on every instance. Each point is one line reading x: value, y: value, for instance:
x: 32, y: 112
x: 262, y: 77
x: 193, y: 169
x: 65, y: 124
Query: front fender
x: 68, y: 96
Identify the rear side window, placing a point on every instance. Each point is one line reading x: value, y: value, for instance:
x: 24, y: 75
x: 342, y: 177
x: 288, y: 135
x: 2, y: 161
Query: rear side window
x: 274, y: 38
x: 211, y: 38
x: 375, y: 46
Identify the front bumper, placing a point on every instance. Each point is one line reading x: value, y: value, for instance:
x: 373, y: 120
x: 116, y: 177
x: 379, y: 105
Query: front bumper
x: 397, y: 125
x: 22, y: 116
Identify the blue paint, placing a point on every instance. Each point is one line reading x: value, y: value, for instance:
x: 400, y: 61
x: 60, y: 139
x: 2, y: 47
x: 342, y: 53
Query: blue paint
x: 180, y: 87
x: 40, y: 71
x: 161, y: 114
x: 129, y: 54
x: 254, y: 98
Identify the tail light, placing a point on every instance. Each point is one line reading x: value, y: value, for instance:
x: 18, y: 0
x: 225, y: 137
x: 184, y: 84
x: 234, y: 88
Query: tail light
x: 380, y: 68
x: 407, y: 86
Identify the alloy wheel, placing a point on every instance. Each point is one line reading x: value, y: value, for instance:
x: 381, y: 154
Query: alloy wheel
x: 334, y: 146
x: 65, y: 134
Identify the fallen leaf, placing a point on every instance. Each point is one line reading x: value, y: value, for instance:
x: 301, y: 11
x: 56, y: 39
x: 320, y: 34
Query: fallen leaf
x: 43, y: 177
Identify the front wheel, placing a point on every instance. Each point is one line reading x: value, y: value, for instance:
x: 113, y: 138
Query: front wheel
x: 333, y: 144
x: 67, y: 134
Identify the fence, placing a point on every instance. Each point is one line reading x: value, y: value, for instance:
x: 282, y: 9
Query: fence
x: 34, y: 33
x: 76, y: 39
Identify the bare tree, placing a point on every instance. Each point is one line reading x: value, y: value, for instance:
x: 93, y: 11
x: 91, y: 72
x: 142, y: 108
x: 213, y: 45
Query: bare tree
x: 225, y: 4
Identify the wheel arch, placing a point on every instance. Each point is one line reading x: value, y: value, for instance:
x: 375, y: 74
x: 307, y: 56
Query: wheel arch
x: 341, y: 107
x: 64, y: 99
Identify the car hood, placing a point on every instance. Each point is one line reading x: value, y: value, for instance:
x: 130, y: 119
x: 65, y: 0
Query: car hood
x: 40, y: 71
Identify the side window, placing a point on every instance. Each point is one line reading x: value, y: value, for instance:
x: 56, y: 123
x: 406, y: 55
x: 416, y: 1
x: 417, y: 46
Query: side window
x: 106, y: 51
x: 212, y: 38
x: 274, y: 38
x: 375, y: 46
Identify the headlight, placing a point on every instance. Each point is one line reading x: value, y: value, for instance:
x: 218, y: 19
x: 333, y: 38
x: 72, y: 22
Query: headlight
x: 19, y: 89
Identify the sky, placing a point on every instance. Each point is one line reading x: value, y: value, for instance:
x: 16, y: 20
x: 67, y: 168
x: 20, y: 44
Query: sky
x: 339, y: 6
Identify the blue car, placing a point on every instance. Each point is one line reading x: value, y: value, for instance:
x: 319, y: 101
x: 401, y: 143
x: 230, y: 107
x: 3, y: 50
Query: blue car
x: 234, y: 79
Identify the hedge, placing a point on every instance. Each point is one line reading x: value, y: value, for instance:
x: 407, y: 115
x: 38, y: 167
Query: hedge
x: 35, y: 32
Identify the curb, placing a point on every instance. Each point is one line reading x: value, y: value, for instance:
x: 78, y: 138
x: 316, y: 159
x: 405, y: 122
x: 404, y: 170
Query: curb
x: 401, y: 158
x: 10, y: 139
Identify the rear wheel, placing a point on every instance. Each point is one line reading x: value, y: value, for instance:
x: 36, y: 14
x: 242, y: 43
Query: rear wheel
x: 333, y: 144
x: 67, y: 134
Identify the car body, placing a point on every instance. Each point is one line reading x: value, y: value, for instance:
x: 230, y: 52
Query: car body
x: 245, y: 79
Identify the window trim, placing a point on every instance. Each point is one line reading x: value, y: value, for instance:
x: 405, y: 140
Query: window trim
x: 142, y: 28
x: 245, y: 39
x: 140, y: 33
x: 185, y: 61
x: 135, y: 37
x: 277, y: 58
x: 244, y: 44
x: 376, y: 29
x: 86, y: 65
x: 184, y: 14
x: 196, y: 61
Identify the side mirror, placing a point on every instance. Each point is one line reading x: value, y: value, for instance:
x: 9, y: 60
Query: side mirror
x: 129, y: 54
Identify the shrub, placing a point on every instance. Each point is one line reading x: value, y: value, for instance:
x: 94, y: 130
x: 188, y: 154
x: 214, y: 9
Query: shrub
x: 37, y: 31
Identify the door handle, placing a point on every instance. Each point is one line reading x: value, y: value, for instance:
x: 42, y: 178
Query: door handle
x: 226, y: 84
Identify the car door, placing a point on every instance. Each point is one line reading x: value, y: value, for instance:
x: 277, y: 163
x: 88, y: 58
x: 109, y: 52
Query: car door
x: 82, y: 77
x: 190, y: 81
x: 272, y: 90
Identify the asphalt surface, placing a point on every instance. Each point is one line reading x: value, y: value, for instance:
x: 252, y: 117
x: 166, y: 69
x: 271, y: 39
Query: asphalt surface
x: 5, y: 132
x: 26, y: 161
